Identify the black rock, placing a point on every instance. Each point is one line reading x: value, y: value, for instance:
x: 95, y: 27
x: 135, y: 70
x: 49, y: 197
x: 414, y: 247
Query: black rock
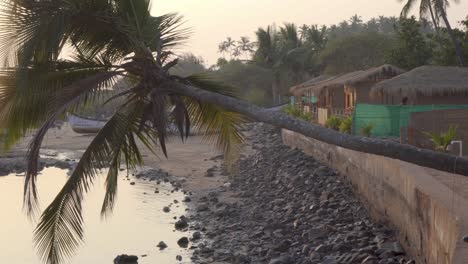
x: 282, y: 260
x: 166, y: 209
x: 196, y: 236
x: 181, y: 224
x: 162, y: 245
x: 126, y: 259
x: 183, y: 242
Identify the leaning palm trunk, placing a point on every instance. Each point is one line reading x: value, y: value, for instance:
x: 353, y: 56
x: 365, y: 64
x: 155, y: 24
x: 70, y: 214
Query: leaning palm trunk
x: 426, y: 158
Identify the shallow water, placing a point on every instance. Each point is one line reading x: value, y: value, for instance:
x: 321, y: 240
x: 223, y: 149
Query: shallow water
x: 136, y: 226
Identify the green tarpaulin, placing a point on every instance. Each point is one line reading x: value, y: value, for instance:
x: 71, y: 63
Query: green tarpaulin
x: 387, y: 120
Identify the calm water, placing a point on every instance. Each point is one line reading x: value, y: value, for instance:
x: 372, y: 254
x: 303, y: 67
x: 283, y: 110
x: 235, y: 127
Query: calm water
x: 136, y: 227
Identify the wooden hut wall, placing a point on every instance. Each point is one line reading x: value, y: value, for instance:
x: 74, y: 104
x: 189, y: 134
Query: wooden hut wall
x: 440, y: 99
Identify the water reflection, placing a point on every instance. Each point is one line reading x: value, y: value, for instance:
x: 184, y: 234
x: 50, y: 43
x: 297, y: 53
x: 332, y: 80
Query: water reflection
x: 136, y: 226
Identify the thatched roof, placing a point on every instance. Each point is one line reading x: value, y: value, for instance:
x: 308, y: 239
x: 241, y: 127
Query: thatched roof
x: 311, y: 82
x: 353, y: 78
x: 425, y: 80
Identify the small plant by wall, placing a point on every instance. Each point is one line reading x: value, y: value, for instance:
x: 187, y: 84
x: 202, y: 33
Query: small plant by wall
x: 333, y: 122
x: 347, y: 125
x: 366, y: 130
x: 297, y: 113
x: 443, y: 140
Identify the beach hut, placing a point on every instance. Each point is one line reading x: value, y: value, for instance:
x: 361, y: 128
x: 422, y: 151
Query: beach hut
x: 302, y: 97
x: 426, y: 85
x: 339, y: 94
x: 357, y: 88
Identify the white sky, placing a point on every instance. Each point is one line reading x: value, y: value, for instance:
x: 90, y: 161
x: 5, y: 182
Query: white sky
x: 214, y: 20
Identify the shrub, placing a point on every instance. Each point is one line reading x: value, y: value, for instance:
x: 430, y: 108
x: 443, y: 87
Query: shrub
x: 333, y: 122
x: 307, y: 117
x: 297, y: 113
x: 442, y: 141
x: 367, y: 130
x: 346, y: 125
x: 292, y: 111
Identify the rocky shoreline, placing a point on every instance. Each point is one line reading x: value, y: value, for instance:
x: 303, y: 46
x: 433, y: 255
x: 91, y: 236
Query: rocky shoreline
x: 283, y: 207
x: 16, y: 163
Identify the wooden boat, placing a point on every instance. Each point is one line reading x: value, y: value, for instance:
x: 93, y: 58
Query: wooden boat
x: 85, y: 125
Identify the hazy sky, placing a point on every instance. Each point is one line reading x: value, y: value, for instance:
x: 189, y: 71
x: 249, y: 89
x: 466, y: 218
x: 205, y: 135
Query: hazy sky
x: 214, y: 20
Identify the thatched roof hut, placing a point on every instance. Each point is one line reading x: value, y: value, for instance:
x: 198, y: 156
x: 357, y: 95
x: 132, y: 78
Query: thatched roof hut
x: 425, y: 81
x: 296, y: 90
x: 353, y: 78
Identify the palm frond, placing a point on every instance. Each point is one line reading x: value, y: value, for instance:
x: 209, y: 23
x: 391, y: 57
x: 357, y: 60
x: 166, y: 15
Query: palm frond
x: 28, y: 94
x: 208, y: 82
x: 60, y: 229
x: 219, y: 127
x: 407, y: 7
x: 70, y: 96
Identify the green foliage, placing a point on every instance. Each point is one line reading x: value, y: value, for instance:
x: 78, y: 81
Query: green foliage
x: 333, y: 122
x: 366, y: 130
x: 297, y: 113
x: 251, y: 80
x: 412, y: 49
x: 444, y: 53
x: 188, y: 64
x: 292, y: 111
x: 443, y: 140
x: 347, y: 125
x: 355, y: 52
x: 258, y: 97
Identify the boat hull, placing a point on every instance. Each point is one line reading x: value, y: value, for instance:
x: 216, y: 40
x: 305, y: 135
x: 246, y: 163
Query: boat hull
x: 83, y: 125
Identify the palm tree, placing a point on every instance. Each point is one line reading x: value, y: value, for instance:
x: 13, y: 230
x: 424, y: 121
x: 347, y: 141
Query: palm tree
x: 355, y: 23
x: 245, y: 46
x: 227, y: 46
x: 267, y: 55
x: 437, y: 9
x: 222, y: 48
x: 108, y: 41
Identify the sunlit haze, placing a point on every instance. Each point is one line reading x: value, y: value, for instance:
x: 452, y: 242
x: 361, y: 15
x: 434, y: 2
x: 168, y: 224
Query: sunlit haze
x: 214, y: 20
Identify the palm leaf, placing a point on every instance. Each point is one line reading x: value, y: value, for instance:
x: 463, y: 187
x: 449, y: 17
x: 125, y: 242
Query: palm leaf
x: 60, y: 229
x: 70, y: 96
x: 29, y: 94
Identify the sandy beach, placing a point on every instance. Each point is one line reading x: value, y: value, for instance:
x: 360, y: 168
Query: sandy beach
x: 188, y: 160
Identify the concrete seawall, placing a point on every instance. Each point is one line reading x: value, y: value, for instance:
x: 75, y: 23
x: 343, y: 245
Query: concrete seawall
x: 427, y: 208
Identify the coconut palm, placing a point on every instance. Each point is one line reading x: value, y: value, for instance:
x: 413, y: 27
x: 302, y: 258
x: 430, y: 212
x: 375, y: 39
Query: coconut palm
x: 106, y: 41
x: 437, y: 9
x: 246, y: 46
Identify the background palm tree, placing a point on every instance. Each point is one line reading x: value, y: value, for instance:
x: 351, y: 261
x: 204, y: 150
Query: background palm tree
x: 246, y: 46
x: 436, y: 9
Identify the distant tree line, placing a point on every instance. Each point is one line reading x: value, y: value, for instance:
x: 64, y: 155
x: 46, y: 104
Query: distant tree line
x: 282, y: 56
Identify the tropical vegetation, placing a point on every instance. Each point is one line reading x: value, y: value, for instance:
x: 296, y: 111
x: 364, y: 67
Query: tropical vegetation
x: 297, y: 113
x: 346, y: 125
x: 443, y: 140
x: 291, y: 54
x: 333, y: 122
x: 366, y: 130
